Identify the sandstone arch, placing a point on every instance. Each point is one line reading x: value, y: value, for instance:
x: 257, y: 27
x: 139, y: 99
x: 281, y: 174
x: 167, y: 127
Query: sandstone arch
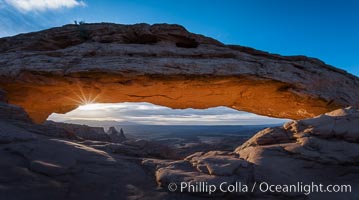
x: 57, y: 69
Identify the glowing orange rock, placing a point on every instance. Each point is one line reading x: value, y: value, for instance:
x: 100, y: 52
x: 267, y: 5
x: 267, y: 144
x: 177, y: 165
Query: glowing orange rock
x: 58, y: 69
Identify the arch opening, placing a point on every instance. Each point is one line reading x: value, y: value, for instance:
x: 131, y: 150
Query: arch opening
x: 43, y: 94
x: 186, y: 130
x: 144, y: 113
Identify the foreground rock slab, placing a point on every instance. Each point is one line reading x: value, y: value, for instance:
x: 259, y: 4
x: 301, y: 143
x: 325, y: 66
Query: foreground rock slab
x: 39, y: 163
x: 323, y: 150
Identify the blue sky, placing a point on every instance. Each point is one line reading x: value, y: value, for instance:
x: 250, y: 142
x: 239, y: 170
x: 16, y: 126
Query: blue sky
x: 324, y: 29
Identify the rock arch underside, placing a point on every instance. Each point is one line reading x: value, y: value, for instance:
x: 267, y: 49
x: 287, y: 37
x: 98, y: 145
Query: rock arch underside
x: 58, y: 69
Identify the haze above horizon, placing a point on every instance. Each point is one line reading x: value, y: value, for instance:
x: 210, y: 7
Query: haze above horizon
x: 143, y: 113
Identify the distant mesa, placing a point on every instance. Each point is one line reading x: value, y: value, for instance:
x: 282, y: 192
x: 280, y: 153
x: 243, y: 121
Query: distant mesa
x: 89, y: 133
x: 116, y: 136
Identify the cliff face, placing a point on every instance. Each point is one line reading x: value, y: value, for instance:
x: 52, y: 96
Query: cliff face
x: 82, y: 131
x: 58, y: 69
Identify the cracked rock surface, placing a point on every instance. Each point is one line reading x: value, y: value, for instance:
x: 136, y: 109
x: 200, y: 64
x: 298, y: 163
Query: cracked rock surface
x: 323, y: 150
x: 39, y: 163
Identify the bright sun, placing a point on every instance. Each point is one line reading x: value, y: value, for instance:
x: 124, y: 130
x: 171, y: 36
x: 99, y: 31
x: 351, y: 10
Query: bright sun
x: 86, y: 99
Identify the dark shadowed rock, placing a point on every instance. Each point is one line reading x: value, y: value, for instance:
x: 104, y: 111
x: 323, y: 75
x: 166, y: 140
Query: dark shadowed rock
x: 323, y: 150
x: 83, y: 131
x: 9, y: 112
x: 58, y: 169
x: 11, y: 133
x: 2, y: 96
x: 135, y: 147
